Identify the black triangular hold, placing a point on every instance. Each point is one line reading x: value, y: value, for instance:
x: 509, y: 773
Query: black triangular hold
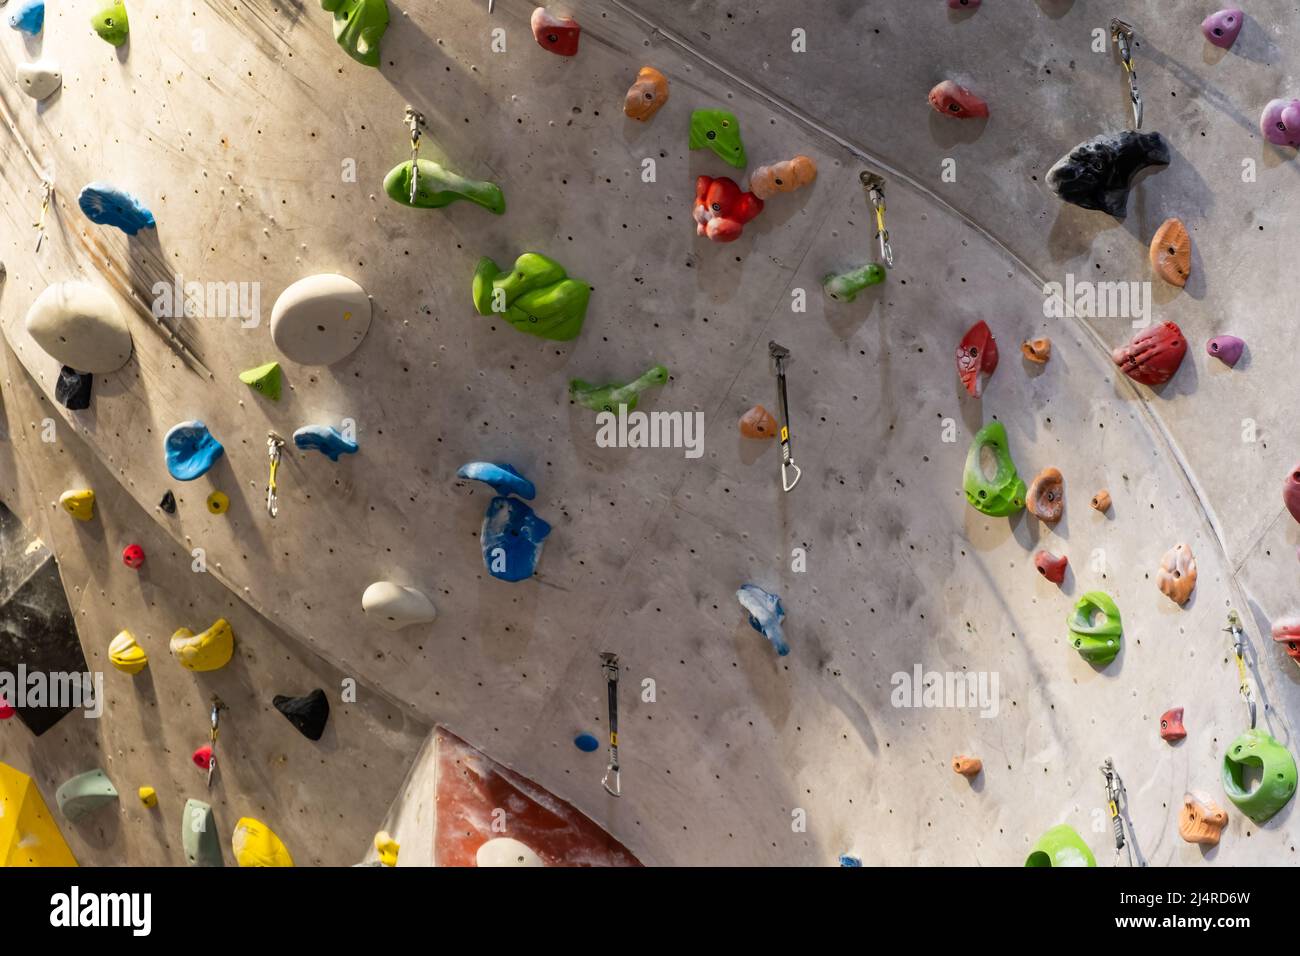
x: 308, y: 713
x: 72, y: 390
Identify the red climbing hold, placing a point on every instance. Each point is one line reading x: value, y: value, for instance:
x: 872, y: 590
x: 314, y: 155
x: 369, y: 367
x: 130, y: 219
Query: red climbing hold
x: 1287, y: 633
x: 721, y: 209
x: 5, y: 710
x: 958, y: 102
x: 977, y: 353
x: 1291, y: 492
x: 1171, y: 724
x: 1050, y: 566
x: 133, y: 556
x: 557, y: 34
x: 1154, y: 355
x: 203, y: 757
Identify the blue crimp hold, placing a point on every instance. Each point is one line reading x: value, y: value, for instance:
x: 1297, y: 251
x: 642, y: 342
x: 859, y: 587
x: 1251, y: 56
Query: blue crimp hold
x: 109, y: 206
x: 512, y: 539
x: 30, y: 17
x: 765, y: 615
x: 325, y: 439
x: 504, y: 479
x: 191, y: 450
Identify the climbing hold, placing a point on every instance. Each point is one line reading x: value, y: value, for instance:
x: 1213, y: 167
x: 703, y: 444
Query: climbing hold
x: 963, y: 4
x: 1060, y: 846
x: 784, y: 177
x: 190, y: 450
x: 505, y: 851
x: 265, y: 380
x: 1177, y: 575
x: 1050, y: 566
x: 847, y: 859
x: 968, y: 767
x: 609, y: 398
x: 720, y: 131
x: 111, y: 23
x: 504, y: 479
x: 387, y: 848
x: 308, y: 714
x: 845, y: 286
x: 320, y: 320
x: 199, y: 835
x: 758, y: 423
x: 1046, y: 496
x: 436, y: 187
x: 721, y: 209
x: 1154, y: 355
x: 29, y: 835
x: 80, y: 504
x: 109, y: 206
x: 958, y: 102
x: 586, y: 743
x: 1201, y: 820
x: 133, y: 556
x: 39, y: 79
x: 558, y: 34
x: 1286, y: 632
x: 255, y: 844
x: 512, y: 537
x: 29, y: 17
x: 1221, y: 29
x: 1280, y: 122
x: 536, y: 297
x: 765, y: 615
x: 1226, y: 348
x: 148, y: 796
x: 218, y: 502
x: 1272, y: 765
x: 1004, y: 493
x: 1097, y: 643
x: 72, y: 390
x: 977, y: 352
x: 1171, y: 725
x: 6, y: 710
x: 202, y: 757
x: 81, y: 326
x: 647, y: 95
x: 325, y: 439
x: 168, y: 503
x: 397, y: 606
x: 1098, y: 173
x: 1171, y: 252
x: 207, y: 651
x: 1038, y: 351
x: 86, y: 793
x: 1291, y: 492
x: 1101, y: 500
x: 359, y: 25
x: 125, y: 653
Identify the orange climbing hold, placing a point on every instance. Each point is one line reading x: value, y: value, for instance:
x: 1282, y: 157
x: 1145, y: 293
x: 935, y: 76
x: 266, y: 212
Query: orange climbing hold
x: 758, y: 423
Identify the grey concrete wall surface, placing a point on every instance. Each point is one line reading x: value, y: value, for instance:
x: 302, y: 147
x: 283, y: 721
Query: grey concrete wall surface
x: 236, y: 123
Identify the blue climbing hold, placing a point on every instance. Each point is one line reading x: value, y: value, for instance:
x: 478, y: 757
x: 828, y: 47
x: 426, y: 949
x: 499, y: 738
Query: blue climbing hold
x: 325, y: 439
x: 512, y: 539
x: 851, y: 861
x: 191, y: 450
x: 109, y: 206
x: 765, y: 615
x: 586, y: 743
x: 504, y: 479
x: 30, y: 17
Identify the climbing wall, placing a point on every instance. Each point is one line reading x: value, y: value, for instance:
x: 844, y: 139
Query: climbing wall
x: 261, y: 147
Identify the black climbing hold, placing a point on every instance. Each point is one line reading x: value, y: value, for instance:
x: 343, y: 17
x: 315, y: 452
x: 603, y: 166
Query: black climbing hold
x: 1098, y: 173
x: 168, y: 503
x: 73, y: 388
x: 308, y: 713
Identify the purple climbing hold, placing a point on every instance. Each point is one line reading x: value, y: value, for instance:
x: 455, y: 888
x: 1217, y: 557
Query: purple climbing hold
x: 963, y: 4
x: 1226, y: 348
x: 1280, y: 122
x: 1222, y: 28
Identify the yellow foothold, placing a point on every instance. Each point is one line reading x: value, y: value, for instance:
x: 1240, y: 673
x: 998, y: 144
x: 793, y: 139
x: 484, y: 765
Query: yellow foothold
x: 28, y: 834
x: 218, y: 503
x: 148, y: 796
x: 387, y: 848
x: 126, y: 654
x: 208, y: 651
x: 256, y: 845
x: 79, y: 504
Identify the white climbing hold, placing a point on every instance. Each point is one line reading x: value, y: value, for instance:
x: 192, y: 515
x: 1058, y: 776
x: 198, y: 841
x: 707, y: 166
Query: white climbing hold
x: 320, y: 319
x: 503, y: 851
x: 397, y: 606
x: 40, y: 78
x: 81, y: 326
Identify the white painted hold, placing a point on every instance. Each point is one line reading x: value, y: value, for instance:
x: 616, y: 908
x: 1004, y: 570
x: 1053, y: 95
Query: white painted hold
x: 81, y: 326
x: 396, y: 606
x: 39, y: 79
x: 320, y: 319
x: 504, y: 851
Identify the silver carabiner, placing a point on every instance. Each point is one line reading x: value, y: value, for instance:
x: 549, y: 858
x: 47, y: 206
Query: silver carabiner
x: 415, y: 122
x: 1121, y: 35
x: 873, y: 187
x: 273, y: 445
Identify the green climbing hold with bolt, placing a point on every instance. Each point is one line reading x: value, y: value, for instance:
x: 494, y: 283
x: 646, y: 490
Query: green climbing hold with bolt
x: 436, y: 186
x: 1004, y: 493
x: 720, y: 132
x: 846, y: 286
x: 359, y: 25
x: 1060, y: 846
x: 1096, y: 643
x: 1277, y: 775
x: 265, y: 380
x: 608, y: 398
x: 536, y: 297
x: 111, y: 23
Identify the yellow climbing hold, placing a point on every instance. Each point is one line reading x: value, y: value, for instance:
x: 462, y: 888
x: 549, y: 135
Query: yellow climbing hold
x: 256, y: 845
x: 126, y: 655
x: 28, y: 834
x: 218, y: 503
x: 148, y: 796
x: 79, y: 504
x: 387, y: 848
x: 208, y: 651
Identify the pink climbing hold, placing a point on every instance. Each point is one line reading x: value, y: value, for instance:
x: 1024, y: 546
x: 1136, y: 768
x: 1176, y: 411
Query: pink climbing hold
x: 1291, y: 492
x: 1280, y: 123
x: 958, y: 102
x: 203, y: 757
x: 5, y: 710
x: 133, y: 556
x: 1050, y: 566
x: 1171, y: 725
x: 977, y: 352
x: 1222, y: 28
x: 1226, y: 348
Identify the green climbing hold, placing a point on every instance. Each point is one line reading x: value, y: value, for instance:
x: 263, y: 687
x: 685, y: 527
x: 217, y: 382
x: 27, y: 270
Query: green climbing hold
x: 608, y: 398
x: 537, y: 297
x: 359, y: 25
x: 265, y: 380
x: 1002, y: 495
x: 84, y: 793
x: 199, y: 835
x: 720, y: 131
x: 436, y: 187
x: 1060, y: 846
x: 1097, y: 643
x: 1277, y: 775
x: 111, y: 23
x: 846, y: 286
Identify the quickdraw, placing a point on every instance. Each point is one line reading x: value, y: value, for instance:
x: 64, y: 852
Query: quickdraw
x: 1117, y: 803
x: 873, y: 187
x: 609, y: 665
x: 415, y: 122
x: 779, y: 355
x: 273, y: 445
x: 1239, y: 650
x: 215, y: 717
x: 1121, y: 34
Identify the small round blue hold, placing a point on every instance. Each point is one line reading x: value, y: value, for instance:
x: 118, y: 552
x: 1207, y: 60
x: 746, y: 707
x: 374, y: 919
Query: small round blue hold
x: 850, y: 861
x: 586, y: 743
